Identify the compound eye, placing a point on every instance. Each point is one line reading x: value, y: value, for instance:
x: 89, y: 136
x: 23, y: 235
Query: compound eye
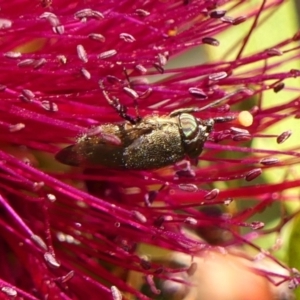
x: 188, y: 124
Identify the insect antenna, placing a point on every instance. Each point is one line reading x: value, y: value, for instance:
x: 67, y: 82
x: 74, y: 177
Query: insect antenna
x: 224, y: 119
x: 216, y: 102
x: 209, y: 105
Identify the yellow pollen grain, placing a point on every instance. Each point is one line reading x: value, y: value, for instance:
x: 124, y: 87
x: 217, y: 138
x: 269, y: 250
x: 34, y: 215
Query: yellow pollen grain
x: 245, y: 118
x: 172, y: 32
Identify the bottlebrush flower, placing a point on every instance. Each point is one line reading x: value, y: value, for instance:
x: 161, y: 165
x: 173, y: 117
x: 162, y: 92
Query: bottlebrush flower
x: 75, y: 233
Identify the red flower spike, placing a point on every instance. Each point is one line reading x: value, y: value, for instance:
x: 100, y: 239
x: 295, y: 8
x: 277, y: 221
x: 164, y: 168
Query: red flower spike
x: 73, y: 71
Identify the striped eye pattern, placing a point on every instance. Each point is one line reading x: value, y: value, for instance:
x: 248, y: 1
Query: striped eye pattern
x: 189, y: 125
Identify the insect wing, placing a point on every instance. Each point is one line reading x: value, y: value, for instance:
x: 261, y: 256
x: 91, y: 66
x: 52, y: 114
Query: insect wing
x: 68, y: 156
x: 155, y: 149
x: 102, y: 154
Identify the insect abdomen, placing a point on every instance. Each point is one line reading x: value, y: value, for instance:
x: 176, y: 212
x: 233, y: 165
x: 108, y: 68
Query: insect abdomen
x: 157, y: 149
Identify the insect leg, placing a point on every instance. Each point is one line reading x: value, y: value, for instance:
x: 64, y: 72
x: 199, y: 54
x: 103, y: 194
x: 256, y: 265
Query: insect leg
x: 121, y: 109
x: 134, y: 95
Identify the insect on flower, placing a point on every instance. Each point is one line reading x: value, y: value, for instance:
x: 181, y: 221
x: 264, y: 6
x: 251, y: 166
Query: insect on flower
x: 144, y: 143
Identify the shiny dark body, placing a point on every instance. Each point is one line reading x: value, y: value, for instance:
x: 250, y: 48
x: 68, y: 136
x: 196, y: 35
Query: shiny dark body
x: 151, y: 143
